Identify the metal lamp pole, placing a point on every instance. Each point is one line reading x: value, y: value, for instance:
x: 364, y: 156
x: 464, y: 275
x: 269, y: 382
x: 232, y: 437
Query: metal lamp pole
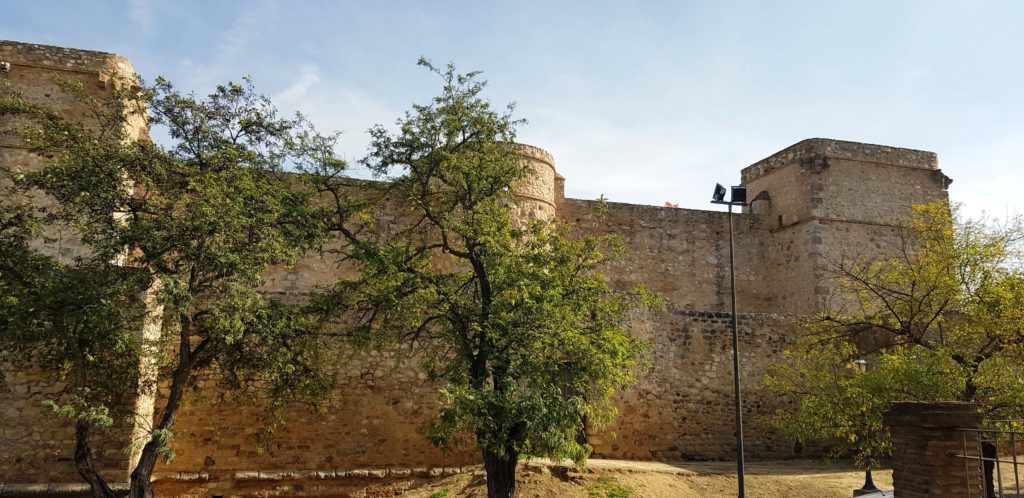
x: 738, y: 197
x: 869, y: 484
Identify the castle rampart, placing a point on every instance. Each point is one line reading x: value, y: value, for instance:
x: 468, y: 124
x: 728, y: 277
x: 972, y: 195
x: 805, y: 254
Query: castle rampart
x: 813, y: 202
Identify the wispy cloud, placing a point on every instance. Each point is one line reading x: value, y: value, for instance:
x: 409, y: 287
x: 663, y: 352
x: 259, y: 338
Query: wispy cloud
x: 645, y: 102
x: 332, y: 106
x: 309, y: 76
x: 995, y: 169
x: 640, y: 163
x: 141, y: 14
x: 241, y: 33
x: 229, y: 54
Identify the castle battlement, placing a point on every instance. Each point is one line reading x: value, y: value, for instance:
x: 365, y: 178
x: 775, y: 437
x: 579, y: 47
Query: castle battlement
x: 63, y: 59
x: 825, y: 148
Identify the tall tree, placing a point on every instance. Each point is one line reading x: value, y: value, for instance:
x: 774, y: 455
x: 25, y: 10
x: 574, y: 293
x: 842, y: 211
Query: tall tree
x: 197, y: 222
x: 940, y: 320
x: 515, y: 322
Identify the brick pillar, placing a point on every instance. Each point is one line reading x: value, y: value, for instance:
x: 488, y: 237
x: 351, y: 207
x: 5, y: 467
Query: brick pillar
x: 924, y: 436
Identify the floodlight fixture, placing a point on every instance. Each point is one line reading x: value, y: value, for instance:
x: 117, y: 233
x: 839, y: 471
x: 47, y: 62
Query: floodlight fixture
x: 739, y: 195
x: 719, y: 194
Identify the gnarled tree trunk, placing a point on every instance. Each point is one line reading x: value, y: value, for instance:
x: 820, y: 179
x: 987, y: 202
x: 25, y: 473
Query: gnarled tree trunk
x: 83, y: 462
x: 501, y: 474
x: 140, y: 485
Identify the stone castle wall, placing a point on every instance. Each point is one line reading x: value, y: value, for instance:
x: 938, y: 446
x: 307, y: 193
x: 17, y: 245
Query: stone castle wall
x: 682, y: 408
x: 812, y: 203
x: 374, y: 421
x: 36, y: 447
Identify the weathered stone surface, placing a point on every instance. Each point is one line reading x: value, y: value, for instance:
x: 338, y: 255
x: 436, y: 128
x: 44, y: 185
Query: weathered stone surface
x: 812, y: 202
x: 38, y: 448
x: 683, y: 406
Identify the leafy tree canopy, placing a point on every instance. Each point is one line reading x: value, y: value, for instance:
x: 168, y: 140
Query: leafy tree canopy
x: 512, y: 316
x: 194, y: 224
x: 941, y: 320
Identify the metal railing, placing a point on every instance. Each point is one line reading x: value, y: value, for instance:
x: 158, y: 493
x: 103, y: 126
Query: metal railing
x: 988, y: 443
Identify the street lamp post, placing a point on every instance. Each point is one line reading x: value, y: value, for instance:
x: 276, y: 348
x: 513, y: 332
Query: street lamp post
x: 738, y: 197
x: 869, y: 484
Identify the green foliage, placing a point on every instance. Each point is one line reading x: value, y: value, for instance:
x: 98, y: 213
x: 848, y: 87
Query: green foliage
x: 74, y: 317
x: 163, y: 438
x: 608, y: 487
x: 18, y: 264
x: 196, y: 222
x: 601, y: 208
x: 946, y: 311
x: 511, y: 316
x: 77, y: 407
x: 834, y: 402
x: 441, y: 493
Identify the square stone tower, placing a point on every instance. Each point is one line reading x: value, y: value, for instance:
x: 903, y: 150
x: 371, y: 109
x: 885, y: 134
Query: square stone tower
x: 821, y: 200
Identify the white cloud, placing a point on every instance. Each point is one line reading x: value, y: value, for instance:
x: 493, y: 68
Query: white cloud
x: 334, y: 107
x: 245, y: 28
x: 309, y: 76
x: 642, y: 163
x: 987, y: 176
x: 141, y: 13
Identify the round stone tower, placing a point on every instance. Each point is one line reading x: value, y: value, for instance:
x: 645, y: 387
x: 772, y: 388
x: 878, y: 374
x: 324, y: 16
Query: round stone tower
x: 537, y: 193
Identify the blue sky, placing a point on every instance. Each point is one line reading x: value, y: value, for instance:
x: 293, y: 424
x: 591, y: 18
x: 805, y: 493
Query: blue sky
x: 643, y: 102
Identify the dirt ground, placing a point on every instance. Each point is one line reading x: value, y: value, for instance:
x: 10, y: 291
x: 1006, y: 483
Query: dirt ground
x: 618, y: 479
x: 602, y: 479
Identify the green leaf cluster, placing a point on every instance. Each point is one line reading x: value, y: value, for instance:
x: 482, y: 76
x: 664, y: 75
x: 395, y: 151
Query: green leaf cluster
x: 512, y: 316
x: 190, y: 226
x: 75, y: 318
x: 608, y: 487
x: 939, y: 320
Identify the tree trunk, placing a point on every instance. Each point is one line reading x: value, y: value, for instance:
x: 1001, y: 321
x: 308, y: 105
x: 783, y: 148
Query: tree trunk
x: 140, y: 485
x: 83, y: 462
x: 501, y: 474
